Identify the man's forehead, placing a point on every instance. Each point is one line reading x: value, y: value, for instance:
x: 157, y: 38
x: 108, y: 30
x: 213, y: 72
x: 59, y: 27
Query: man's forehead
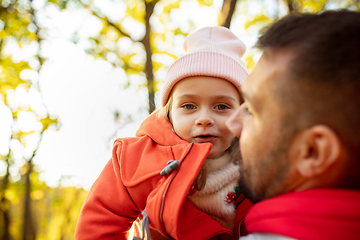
x: 255, y: 80
x: 271, y: 67
x: 271, y: 63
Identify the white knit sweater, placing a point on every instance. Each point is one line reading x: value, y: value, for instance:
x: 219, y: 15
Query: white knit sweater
x: 222, y: 178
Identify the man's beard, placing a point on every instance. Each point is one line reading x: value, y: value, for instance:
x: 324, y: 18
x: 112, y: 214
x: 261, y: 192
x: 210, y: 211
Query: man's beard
x: 244, y: 186
x: 267, y: 177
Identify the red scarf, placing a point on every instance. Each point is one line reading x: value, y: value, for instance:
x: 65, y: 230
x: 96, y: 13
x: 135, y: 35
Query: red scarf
x: 311, y: 214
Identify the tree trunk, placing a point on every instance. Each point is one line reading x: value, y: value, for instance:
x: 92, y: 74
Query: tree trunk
x: 149, y: 8
x: 227, y: 12
x: 29, y: 227
x: 29, y: 232
x: 290, y: 5
x: 4, y: 203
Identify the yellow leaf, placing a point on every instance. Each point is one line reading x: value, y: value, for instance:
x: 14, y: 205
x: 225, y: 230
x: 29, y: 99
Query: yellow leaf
x: 206, y: 3
x: 261, y: 18
x: 12, y: 196
x: 136, y: 10
x: 250, y: 63
x: 47, y: 121
x: 20, y: 134
x: 171, y: 6
x: 37, y: 195
x: 15, y: 114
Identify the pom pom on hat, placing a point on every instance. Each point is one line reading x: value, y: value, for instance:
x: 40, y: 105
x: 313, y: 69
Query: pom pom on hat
x: 212, y: 52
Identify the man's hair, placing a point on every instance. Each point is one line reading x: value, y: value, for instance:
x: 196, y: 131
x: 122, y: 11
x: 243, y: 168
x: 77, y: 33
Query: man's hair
x: 322, y: 84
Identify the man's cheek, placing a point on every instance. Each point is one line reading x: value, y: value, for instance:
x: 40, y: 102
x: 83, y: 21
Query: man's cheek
x: 247, y: 139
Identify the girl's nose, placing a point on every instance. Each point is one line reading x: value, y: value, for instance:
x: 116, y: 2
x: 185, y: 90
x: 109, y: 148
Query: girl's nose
x: 204, y: 119
x: 234, y: 123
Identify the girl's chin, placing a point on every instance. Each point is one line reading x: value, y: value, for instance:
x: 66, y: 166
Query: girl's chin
x: 215, y: 155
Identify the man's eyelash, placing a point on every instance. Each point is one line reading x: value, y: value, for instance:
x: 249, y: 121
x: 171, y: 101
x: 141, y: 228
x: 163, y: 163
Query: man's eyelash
x: 247, y: 111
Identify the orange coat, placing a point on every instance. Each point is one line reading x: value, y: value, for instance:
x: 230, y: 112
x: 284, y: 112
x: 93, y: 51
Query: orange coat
x: 131, y: 182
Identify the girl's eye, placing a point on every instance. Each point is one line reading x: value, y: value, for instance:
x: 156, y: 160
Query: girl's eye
x: 189, y: 106
x: 222, y: 107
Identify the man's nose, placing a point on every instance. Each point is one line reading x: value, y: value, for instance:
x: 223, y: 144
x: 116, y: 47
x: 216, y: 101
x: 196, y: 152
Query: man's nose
x: 204, y: 119
x: 234, y: 123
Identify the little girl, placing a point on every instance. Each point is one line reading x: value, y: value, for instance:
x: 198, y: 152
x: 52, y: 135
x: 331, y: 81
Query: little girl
x: 181, y: 167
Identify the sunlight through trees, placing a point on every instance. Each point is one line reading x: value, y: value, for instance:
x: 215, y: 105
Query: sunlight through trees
x: 141, y: 38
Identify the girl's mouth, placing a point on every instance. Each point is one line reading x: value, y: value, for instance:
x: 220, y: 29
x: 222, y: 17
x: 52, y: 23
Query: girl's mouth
x: 204, y: 138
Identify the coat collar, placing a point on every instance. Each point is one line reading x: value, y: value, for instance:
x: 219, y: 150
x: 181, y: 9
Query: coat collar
x: 309, y: 214
x: 158, y: 128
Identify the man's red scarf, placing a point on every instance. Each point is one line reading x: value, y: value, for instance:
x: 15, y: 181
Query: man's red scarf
x: 311, y: 214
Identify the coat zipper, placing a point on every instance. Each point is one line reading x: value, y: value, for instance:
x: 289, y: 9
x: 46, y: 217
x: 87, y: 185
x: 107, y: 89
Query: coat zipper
x: 166, y: 189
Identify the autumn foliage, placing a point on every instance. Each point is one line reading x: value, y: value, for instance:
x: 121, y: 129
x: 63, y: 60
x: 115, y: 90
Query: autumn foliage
x: 29, y: 208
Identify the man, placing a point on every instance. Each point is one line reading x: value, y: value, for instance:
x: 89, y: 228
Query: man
x: 299, y: 129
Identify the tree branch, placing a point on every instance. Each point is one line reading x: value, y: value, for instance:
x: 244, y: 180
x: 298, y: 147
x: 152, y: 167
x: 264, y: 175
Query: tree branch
x: 227, y: 12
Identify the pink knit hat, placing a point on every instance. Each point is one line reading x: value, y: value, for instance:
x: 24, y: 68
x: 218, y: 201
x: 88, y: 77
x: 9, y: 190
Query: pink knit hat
x: 210, y: 51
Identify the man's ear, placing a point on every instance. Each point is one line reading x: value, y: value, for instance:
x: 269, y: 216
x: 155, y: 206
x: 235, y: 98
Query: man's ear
x: 319, y: 148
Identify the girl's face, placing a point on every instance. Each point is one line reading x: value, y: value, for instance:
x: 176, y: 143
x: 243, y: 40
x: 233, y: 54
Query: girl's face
x: 201, y: 105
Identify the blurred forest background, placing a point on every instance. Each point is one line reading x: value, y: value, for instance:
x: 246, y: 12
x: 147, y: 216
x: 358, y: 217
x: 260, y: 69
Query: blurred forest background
x: 137, y: 40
